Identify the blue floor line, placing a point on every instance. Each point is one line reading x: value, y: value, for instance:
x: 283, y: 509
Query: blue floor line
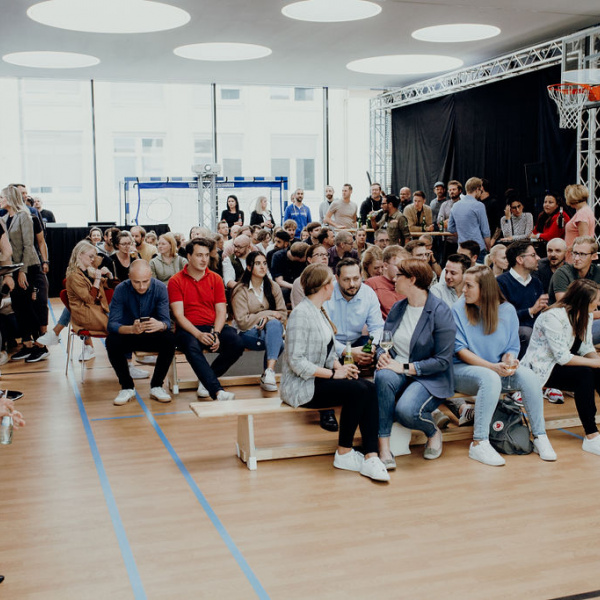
x: 237, y: 555
x: 126, y: 553
x: 175, y: 412
x: 576, y: 435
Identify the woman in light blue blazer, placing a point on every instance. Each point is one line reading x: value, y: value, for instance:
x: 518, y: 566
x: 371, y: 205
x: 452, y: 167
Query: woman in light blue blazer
x: 418, y: 368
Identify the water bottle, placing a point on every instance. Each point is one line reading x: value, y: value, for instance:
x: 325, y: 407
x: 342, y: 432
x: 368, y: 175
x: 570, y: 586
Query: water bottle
x: 6, y: 430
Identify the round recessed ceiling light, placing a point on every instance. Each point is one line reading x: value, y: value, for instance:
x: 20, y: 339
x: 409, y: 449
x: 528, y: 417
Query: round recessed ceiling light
x: 331, y: 11
x: 222, y: 51
x: 404, y: 64
x: 456, y: 32
x: 108, y: 16
x: 51, y: 60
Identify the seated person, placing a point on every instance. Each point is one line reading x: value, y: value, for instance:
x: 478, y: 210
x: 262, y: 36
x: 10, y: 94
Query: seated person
x: 496, y: 260
x: 139, y: 320
x: 343, y: 249
x: 235, y: 265
x: 515, y: 224
x: 418, y: 368
x: 360, y: 242
x: 433, y: 263
x: 522, y: 290
x: 556, y: 254
x: 418, y: 249
x: 291, y: 227
x: 382, y: 239
x: 124, y: 256
x: 197, y: 297
x: 486, y: 347
x: 281, y: 241
x: 384, y: 285
x: 326, y: 238
x: 263, y: 241
x: 314, y: 229
x: 287, y: 266
x: 312, y: 376
x: 259, y: 312
x: 167, y: 262
x: 450, y: 289
x: 315, y: 254
x: 552, y: 220
x: 562, y: 355
x: 371, y: 263
x: 143, y: 248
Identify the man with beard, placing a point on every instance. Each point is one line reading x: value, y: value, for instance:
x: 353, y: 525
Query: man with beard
x: 326, y: 204
x: 439, y: 190
x: 557, y: 252
x: 370, y: 205
x: 454, y: 192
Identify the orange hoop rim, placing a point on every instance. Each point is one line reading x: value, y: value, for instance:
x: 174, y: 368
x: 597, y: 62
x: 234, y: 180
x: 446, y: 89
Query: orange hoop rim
x: 570, y: 88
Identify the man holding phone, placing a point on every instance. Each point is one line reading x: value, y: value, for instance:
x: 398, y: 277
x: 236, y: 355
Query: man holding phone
x: 139, y: 320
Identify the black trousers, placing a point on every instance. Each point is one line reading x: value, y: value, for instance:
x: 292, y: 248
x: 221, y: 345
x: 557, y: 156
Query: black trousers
x: 119, y: 346
x: 583, y: 382
x: 358, y: 399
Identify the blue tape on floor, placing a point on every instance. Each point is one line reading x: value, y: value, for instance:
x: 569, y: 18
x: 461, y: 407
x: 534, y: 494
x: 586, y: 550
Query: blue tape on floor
x: 576, y: 435
x: 237, y: 555
x: 126, y: 553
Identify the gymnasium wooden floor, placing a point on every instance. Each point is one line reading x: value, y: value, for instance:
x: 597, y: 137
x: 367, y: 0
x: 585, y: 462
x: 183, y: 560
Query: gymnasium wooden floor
x: 147, y: 501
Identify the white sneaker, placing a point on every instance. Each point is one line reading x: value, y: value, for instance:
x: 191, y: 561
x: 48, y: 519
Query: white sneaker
x: 202, y: 392
x: 442, y: 420
x: 592, y: 446
x: 554, y: 396
x: 138, y: 373
x: 124, y: 397
x: 150, y: 359
x: 87, y: 353
x: 374, y: 469
x: 223, y: 396
x: 4, y: 358
x: 267, y: 381
x: 48, y: 339
x: 351, y: 461
x: 543, y: 447
x: 159, y: 394
x: 485, y: 454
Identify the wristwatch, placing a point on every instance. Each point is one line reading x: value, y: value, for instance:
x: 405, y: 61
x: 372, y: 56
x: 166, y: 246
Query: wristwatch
x: 405, y: 368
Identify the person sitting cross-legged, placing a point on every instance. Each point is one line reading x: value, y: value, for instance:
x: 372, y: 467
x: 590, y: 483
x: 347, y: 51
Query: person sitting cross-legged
x: 139, y: 320
x: 197, y: 297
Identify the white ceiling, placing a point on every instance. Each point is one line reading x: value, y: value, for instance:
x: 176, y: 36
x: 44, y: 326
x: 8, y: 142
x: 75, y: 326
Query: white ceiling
x: 303, y: 53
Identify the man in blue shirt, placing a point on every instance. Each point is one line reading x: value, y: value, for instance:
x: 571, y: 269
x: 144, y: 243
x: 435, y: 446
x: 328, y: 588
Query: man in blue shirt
x: 298, y: 211
x: 139, y: 320
x: 468, y: 218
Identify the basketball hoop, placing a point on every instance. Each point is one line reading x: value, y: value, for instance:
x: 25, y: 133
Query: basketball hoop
x: 570, y: 99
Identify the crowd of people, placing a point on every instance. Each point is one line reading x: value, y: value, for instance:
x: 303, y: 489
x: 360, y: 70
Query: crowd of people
x: 386, y: 309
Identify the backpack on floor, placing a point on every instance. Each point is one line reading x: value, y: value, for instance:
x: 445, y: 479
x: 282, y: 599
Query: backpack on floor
x: 509, y: 431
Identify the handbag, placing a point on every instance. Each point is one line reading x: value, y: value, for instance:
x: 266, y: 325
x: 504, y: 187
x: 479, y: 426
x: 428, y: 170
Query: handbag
x: 509, y: 430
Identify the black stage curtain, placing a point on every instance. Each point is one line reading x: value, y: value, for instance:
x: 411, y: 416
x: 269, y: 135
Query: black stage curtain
x: 62, y: 240
x: 491, y: 131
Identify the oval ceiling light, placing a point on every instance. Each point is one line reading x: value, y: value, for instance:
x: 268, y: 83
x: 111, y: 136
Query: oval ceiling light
x: 331, y: 11
x: 456, y: 32
x: 51, y: 60
x: 222, y: 51
x: 404, y: 64
x: 108, y: 16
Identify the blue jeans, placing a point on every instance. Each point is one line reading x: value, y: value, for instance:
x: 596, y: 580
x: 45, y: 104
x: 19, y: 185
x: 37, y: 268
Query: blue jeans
x: 65, y: 318
x: 230, y: 349
x: 269, y: 339
x: 596, y: 332
x: 414, y: 406
x: 487, y: 385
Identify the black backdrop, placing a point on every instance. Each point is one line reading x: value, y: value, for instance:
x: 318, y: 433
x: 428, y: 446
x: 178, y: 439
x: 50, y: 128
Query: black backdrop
x: 491, y: 131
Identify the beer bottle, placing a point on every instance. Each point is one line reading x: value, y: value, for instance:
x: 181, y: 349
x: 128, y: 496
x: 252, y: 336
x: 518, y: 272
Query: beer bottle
x: 348, y: 360
x: 368, y: 347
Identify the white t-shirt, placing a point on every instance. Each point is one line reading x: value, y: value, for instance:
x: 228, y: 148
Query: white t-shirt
x: 405, y: 331
x: 343, y: 213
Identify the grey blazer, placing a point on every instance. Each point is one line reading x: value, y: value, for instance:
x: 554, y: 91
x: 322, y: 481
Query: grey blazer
x: 20, y: 234
x: 305, y: 350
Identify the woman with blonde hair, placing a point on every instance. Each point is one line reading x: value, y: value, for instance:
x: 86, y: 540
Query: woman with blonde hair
x: 485, y: 363
x: 582, y: 223
x: 167, y: 262
x: 496, y: 260
x: 313, y: 376
x: 261, y: 215
x: 372, y: 262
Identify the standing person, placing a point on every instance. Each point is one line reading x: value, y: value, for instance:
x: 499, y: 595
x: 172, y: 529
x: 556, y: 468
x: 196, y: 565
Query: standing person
x: 454, y: 195
x: 197, y: 297
x: 312, y: 376
x: 418, y: 214
x: 261, y: 215
x: 124, y: 256
x: 167, y: 262
x: 419, y: 365
x: 297, y: 211
x: 487, y: 343
x: 47, y: 215
x: 494, y: 207
x: 371, y: 205
x: 139, y: 320
x: 19, y: 226
x: 562, y: 354
x: 439, y: 189
x: 144, y: 249
x: 342, y: 213
x: 324, y: 206
x: 515, y: 224
x: 405, y: 195
x: 552, y: 220
x: 232, y: 214
x: 557, y: 252
x: 582, y: 223
x: 468, y: 219
x: 260, y: 313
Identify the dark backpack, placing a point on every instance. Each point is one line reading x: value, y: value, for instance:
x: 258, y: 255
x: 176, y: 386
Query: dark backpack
x: 509, y: 431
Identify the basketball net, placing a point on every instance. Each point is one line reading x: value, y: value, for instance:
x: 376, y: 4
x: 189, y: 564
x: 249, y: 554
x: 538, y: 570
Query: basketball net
x: 570, y: 99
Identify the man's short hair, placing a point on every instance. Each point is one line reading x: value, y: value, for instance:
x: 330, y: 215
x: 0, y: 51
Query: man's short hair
x: 346, y: 262
x: 343, y: 237
x: 473, y: 184
x: 393, y: 200
x: 205, y: 242
x: 515, y: 249
x: 472, y: 246
x: 420, y: 194
x: 586, y: 239
x: 456, y: 183
x: 392, y: 251
x: 485, y: 184
x: 414, y: 244
x: 142, y: 230
x: 299, y: 249
x: 263, y: 235
x: 347, y: 185
x: 290, y: 223
x: 312, y: 226
x: 377, y: 184
x: 324, y: 234
x: 381, y: 232
x: 282, y: 235
x: 461, y: 260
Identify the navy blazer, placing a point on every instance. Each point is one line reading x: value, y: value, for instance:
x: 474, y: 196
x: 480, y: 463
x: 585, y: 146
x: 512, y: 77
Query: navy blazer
x: 431, y: 346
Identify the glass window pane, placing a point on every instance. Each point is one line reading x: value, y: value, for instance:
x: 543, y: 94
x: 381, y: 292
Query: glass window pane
x: 303, y: 94
x: 230, y: 94
x: 232, y: 167
x: 280, y: 167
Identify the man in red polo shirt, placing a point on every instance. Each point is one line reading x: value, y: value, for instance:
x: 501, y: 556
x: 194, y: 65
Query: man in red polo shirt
x: 197, y: 298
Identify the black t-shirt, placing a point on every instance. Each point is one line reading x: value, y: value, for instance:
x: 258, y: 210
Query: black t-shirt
x: 232, y: 218
x: 290, y: 270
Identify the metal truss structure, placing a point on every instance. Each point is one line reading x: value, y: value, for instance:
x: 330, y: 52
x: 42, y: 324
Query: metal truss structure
x: 575, y: 52
x: 207, y: 201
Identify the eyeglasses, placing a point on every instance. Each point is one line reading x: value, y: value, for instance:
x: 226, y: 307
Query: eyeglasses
x: 516, y: 207
x: 581, y: 254
x: 532, y: 254
x: 320, y: 254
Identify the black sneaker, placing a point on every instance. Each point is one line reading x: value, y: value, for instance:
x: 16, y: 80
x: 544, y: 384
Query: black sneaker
x: 24, y: 352
x: 38, y: 353
x: 328, y: 420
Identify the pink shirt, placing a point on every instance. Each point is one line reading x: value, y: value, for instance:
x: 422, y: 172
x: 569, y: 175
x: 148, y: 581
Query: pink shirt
x: 583, y: 215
